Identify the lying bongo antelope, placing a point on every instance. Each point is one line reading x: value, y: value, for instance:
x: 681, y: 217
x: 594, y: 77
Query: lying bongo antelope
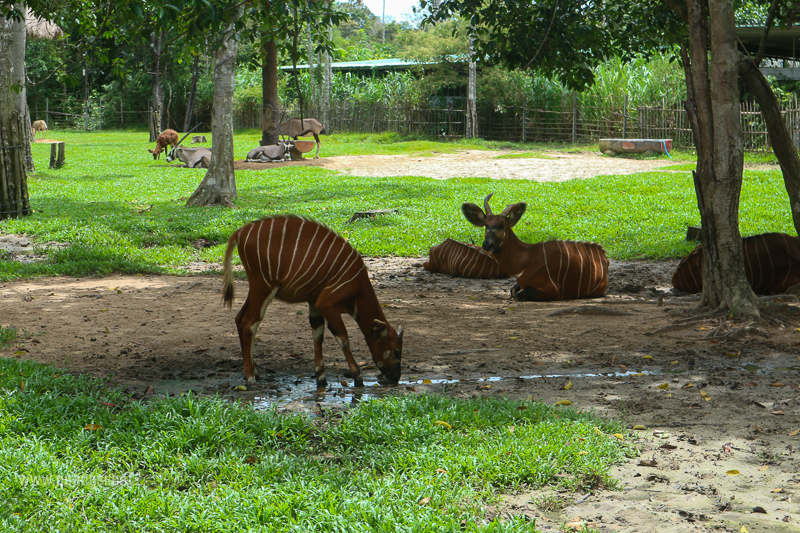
x: 299, y: 260
x: 462, y: 260
x: 551, y: 270
x: 771, y: 264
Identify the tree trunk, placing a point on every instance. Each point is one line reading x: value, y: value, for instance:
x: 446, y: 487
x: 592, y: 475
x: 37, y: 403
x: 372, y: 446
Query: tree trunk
x: 326, y: 94
x: 156, y: 41
x: 779, y: 135
x: 187, y: 122
x: 219, y: 184
x: 472, y: 112
x: 14, y: 201
x: 311, y: 76
x: 713, y: 104
x: 270, y: 108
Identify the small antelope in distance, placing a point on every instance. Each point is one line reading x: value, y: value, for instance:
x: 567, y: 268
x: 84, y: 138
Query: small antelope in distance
x: 294, y: 129
x: 550, y: 270
x: 167, y: 138
x: 37, y: 126
x: 771, y: 264
x: 464, y: 260
x: 299, y: 260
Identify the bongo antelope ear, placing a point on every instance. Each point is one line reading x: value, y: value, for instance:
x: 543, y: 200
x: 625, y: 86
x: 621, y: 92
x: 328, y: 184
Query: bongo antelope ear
x: 379, y: 330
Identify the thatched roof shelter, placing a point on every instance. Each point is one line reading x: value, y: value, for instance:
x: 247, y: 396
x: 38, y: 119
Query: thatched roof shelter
x: 39, y: 28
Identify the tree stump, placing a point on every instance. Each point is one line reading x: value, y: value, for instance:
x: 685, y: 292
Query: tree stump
x: 57, y: 154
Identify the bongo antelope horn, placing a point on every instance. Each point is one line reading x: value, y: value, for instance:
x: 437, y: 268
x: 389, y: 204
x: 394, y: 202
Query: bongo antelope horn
x: 486, y: 207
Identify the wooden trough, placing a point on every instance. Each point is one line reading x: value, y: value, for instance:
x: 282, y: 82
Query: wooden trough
x: 304, y: 146
x: 635, y: 146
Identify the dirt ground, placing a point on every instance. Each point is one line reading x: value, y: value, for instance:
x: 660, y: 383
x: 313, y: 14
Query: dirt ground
x: 718, y: 398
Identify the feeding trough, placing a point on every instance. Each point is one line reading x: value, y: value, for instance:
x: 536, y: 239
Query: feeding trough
x: 303, y: 146
x: 635, y: 146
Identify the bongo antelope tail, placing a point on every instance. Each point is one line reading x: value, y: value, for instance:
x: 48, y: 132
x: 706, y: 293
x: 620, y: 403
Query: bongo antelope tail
x: 298, y: 260
x: 771, y: 264
x: 551, y: 270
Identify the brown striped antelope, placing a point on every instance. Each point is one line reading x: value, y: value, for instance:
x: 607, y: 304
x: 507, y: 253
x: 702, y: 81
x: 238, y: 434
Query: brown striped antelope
x: 299, y: 260
x: 771, y: 264
x: 463, y: 260
x: 551, y: 270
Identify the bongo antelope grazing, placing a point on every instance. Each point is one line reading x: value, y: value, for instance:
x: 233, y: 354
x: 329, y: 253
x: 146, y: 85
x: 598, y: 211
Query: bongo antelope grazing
x: 299, y: 260
x: 551, y: 270
x: 463, y: 260
x: 167, y: 138
x: 771, y: 264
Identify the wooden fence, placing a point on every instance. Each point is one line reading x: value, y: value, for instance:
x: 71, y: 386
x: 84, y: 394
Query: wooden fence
x: 576, y: 118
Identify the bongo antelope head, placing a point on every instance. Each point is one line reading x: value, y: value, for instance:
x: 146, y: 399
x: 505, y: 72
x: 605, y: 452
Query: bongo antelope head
x: 498, y: 227
x: 386, y: 346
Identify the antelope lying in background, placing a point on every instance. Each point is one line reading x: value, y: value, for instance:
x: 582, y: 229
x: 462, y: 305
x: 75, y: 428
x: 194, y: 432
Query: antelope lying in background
x: 37, y: 126
x: 294, y: 129
x: 462, y: 260
x: 771, y: 264
x: 167, y: 138
x: 264, y: 154
x: 193, y: 157
x: 299, y: 260
x: 551, y: 270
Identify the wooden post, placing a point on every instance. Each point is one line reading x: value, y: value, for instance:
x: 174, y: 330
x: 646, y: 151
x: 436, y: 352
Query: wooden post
x: 574, y: 116
x: 625, y: 117
x: 47, y: 112
x: 57, y: 154
x: 100, y: 117
x: 524, y: 114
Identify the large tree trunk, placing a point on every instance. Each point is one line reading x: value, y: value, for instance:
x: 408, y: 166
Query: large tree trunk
x: 779, y: 135
x: 713, y: 104
x: 157, y: 94
x: 270, y: 107
x: 187, y: 122
x: 14, y: 201
x: 219, y: 184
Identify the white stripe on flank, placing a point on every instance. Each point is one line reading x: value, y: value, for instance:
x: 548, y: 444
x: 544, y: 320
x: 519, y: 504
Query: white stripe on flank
x: 280, y: 250
x: 348, y: 281
x: 243, y: 253
x: 313, y: 262
x: 789, y: 254
x: 320, y: 265
x: 295, y: 278
x: 328, y: 280
x: 269, y: 244
x: 258, y: 252
x: 296, y: 242
x: 473, y: 262
x: 547, y: 267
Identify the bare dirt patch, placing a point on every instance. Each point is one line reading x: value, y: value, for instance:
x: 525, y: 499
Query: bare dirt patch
x: 719, y: 397
x: 544, y: 166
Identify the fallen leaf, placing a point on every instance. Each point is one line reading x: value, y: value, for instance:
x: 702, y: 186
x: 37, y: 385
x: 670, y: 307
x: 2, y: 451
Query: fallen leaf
x: 743, y: 530
x: 563, y: 402
x: 639, y: 426
x: 667, y: 446
x: 620, y: 436
x: 343, y: 383
x: 673, y: 362
x: 664, y: 386
x: 732, y: 472
x: 443, y: 424
x: 615, y: 358
x: 471, y: 297
x: 762, y: 468
x: 252, y: 460
x: 149, y: 390
x: 513, y: 338
x: 568, y: 386
x: 92, y: 427
x: 777, y: 491
x: 106, y: 403
x: 20, y: 352
x: 648, y: 462
x: 777, y: 413
x: 795, y: 432
x: 427, y: 382
x: 760, y: 510
x: 103, y: 310
x: 22, y: 385
x: 705, y: 395
x: 424, y: 501
x: 623, y: 368
x: 239, y: 388
x: 583, y: 452
x: 648, y: 357
x: 756, y: 428
x: 441, y: 471
x: 778, y: 384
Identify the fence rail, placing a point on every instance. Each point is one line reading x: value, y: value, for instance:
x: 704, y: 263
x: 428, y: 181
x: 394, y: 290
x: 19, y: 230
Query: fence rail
x: 576, y: 118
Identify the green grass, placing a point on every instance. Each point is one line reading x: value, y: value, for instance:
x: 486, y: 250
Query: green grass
x: 78, y: 456
x: 9, y: 335
x: 122, y: 211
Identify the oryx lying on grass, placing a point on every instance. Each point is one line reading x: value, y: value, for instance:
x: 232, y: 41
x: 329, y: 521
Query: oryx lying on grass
x: 295, y: 128
x: 193, y: 157
x: 265, y: 154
